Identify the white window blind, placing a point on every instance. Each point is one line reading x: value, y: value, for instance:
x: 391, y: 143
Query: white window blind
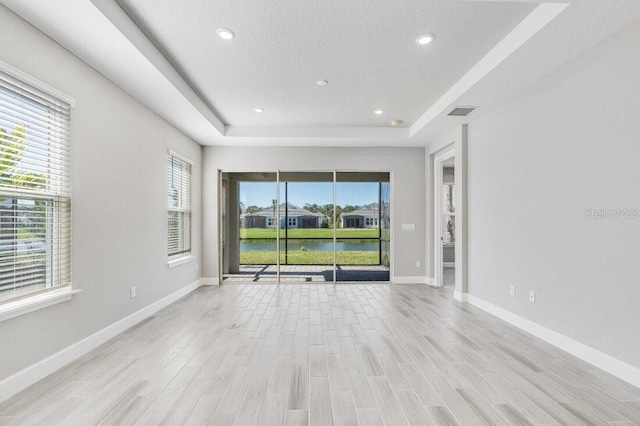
x: 179, y: 206
x: 35, y: 210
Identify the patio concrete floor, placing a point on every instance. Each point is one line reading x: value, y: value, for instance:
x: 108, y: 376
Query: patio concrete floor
x: 308, y: 273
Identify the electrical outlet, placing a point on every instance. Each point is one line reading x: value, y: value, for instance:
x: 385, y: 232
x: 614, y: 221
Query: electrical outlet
x: 417, y: 263
x: 196, y: 267
x: 133, y: 291
x: 512, y: 290
x: 532, y: 296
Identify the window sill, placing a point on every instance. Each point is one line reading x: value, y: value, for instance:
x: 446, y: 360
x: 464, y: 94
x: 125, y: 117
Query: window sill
x: 30, y: 304
x: 179, y: 261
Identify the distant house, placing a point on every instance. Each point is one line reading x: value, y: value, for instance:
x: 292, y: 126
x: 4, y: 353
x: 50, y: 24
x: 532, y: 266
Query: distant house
x: 364, y: 217
x: 296, y: 217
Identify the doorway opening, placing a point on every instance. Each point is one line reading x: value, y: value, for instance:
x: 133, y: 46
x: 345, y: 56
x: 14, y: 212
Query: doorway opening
x: 305, y: 227
x: 445, y: 220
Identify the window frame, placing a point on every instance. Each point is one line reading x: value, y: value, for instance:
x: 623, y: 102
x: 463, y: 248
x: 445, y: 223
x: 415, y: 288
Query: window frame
x: 186, y: 255
x: 54, y: 291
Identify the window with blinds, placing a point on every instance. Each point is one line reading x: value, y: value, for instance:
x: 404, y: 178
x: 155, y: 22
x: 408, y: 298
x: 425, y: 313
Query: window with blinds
x: 35, y: 209
x: 179, y: 206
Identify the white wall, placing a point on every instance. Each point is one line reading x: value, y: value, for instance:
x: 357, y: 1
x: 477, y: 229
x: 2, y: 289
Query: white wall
x: 118, y: 202
x: 407, y: 166
x: 535, y: 164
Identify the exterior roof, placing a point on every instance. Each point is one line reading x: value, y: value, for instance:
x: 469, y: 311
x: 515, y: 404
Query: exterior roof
x: 368, y: 210
x: 292, y: 211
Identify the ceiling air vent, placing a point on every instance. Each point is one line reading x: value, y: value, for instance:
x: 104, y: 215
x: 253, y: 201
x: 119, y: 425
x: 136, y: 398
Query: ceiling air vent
x: 461, y: 111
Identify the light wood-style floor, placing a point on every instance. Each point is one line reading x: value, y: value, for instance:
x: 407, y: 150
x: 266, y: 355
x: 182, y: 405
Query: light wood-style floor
x: 367, y: 354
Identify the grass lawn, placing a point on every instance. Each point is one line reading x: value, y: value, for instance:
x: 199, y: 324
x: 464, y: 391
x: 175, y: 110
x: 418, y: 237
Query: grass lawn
x: 304, y: 233
x: 310, y: 257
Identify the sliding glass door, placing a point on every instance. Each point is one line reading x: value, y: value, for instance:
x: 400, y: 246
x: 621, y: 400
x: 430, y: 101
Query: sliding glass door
x: 253, y: 225
x: 305, y: 226
x: 359, y: 255
x: 306, y: 222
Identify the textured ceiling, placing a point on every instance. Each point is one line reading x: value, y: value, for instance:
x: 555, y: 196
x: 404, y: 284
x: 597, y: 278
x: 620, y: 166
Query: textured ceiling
x: 367, y: 52
x: 166, y: 54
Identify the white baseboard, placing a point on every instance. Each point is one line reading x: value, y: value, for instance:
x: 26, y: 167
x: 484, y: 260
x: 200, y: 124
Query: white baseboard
x: 409, y: 280
x: 460, y: 297
x: 209, y: 281
x: 431, y: 281
x: 38, y: 371
x: 605, y: 362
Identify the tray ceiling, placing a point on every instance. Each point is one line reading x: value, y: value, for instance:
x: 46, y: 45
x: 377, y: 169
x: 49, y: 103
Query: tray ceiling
x: 166, y: 53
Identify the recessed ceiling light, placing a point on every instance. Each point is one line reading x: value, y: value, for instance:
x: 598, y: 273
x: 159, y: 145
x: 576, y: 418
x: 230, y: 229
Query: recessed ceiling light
x: 396, y: 123
x: 258, y: 109
x: 225, y: 33
x: 425, y: 39
x: 378, y: 111
x: 322, y: 82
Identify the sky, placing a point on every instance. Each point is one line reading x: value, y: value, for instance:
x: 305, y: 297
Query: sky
x: 261, y: 194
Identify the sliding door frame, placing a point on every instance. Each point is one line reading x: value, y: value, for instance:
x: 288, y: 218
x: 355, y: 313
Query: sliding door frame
x: 278, y: 227
x: 335, y: 226
x: 221, y: 219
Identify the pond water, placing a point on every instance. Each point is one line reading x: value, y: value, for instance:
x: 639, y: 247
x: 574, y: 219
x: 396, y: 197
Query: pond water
x: 320, y: 245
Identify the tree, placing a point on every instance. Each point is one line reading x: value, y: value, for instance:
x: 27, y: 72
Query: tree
x: 327, y: 210
x: 11, y: 153
x: 313, y: 208
x: 349, y: 208
x: 12, y: 147
x: 27, y: 216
